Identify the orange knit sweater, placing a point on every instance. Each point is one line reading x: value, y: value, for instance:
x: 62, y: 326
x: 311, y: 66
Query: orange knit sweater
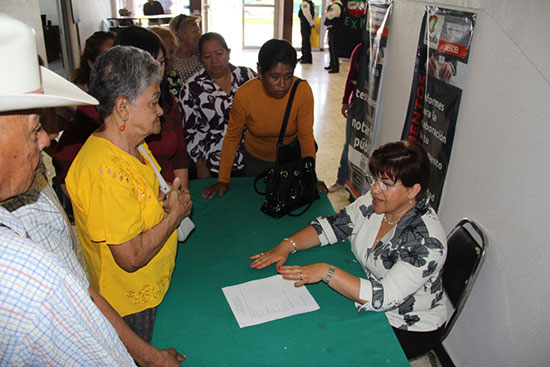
x: 262, y: 115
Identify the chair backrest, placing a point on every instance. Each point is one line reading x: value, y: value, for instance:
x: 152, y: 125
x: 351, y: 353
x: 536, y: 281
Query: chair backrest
x: 466, y: 246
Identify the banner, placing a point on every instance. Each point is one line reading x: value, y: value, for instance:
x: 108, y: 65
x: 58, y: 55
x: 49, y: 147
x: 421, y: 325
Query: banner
x: 363, y: 115
x: 439, y: 74
x: 350, y: 30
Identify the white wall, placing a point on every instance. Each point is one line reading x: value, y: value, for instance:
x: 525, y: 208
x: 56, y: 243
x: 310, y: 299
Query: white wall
x: 49, y: 7
x: 499, y: 171
x: 28, y: 12
x: 92, y: 13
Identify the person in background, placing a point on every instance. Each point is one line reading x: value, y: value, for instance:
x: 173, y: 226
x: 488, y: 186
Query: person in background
x: 128, y: 232
x: 206, y: 101
x: 347, y: 101
x: 169, y: 41
x: 82, y: 121
x: 186, y: 61
x: 259, y: 106
x: 333, y: 21
x: 397, y: 238
x: 95, y: 45
x: 45, y: 309
x: 153, y: 7
x: 124, y: 12
x: 168, y: 146
x: 307, y: 21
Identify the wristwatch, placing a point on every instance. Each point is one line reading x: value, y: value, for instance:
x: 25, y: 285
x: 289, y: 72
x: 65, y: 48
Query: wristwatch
x: 330, y: 274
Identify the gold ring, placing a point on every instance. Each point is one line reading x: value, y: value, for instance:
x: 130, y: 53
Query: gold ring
x: 262, y: 254
x: 301, y: 276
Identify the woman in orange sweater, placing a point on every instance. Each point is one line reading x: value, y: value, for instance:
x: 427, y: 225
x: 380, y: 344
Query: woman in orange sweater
x: 259, y: 106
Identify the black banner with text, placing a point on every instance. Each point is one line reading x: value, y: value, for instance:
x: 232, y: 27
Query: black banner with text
x: 439, y: 75
x: 363, y: 115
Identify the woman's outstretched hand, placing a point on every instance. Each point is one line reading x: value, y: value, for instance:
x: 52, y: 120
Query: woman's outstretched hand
x: 277, y: 254
x: 218, y: 188
x: 307, y: 274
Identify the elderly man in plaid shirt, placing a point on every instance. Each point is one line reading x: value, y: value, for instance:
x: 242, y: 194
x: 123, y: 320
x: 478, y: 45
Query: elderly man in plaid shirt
x: 48, y: 313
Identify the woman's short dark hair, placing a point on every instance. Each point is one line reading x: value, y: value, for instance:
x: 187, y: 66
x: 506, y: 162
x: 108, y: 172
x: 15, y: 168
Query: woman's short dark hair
x: 149, y: 41
x: 402, y: 160
x: 92, y: 49
x: 212, y: 36
x: 275, y: 52
x: 141, y: 38
x: 122, y: 71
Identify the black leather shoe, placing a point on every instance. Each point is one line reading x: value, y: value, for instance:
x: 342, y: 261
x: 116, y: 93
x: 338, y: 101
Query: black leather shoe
x: 333, y: 71
x: 306, y: 62
x: 328, y: 67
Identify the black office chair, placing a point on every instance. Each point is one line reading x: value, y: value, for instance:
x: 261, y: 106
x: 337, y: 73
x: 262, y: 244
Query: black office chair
x: 466, y: 246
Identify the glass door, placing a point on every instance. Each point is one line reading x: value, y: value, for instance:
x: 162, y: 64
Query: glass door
x: 224, y: 17
x: 317, y: 34
x: 259, y: 18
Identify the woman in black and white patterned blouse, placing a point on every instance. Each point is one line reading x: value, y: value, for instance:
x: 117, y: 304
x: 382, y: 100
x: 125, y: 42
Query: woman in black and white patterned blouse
x: 396, y: 236
x: 206, y: 101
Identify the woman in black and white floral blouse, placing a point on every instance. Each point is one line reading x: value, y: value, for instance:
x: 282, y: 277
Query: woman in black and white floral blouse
x: 206, y: 101
x: 396, y: 236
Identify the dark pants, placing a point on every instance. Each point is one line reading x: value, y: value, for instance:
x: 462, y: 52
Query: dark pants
x: 415, y: 343
x: 142, y: 323
x: 305, y: 29
x: 334, y: 62
x: 343, y: 168
x: 254, y: 166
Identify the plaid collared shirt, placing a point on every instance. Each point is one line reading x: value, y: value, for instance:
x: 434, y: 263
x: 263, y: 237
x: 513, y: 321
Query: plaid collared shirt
x: 47, y: 225
x: 46, y: 313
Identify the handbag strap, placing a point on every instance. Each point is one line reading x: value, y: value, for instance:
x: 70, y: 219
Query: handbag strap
x: 288, y: 108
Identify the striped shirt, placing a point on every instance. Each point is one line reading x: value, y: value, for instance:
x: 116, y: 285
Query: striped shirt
x: 46, y: 313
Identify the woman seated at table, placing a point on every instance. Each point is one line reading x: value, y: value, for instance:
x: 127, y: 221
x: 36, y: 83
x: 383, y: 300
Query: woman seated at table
x: 206, y: 101
x: 396, y: 236
x: 128, y: 232
x: 259, y: 106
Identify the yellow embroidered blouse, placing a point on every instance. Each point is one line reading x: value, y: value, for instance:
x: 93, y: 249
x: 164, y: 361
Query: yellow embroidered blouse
x: 115, y: 198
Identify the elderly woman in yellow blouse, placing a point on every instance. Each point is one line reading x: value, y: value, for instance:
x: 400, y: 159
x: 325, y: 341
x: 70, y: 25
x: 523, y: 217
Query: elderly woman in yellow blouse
x: 128, y: 231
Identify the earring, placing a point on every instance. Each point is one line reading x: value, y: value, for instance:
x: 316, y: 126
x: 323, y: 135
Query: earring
x: 410, y: 201
x: 123, y: 126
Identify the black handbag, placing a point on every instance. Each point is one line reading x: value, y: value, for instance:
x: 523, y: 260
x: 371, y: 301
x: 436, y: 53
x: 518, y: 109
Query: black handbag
x: 292, y: 182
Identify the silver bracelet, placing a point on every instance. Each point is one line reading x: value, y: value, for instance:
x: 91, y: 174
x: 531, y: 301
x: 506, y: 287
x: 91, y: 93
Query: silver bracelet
x: 292, y: 243
x: 330, y: 274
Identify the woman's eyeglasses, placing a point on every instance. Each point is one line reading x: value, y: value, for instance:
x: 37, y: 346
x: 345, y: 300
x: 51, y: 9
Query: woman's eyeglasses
x: 382, y: 185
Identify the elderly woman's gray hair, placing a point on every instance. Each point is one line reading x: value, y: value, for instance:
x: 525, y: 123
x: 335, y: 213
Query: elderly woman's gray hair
x: 122, y: 71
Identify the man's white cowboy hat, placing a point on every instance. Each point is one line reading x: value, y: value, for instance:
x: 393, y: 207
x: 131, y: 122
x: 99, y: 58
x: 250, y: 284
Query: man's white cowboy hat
x: 23, y: 83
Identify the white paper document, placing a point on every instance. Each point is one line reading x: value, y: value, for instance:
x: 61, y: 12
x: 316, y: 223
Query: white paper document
x: 268, y: 299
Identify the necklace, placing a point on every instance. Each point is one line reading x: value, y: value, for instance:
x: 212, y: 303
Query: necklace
x: 387, y: 221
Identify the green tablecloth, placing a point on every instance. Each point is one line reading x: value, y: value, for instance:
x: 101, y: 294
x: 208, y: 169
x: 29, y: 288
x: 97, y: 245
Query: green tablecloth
x: 196, y: 319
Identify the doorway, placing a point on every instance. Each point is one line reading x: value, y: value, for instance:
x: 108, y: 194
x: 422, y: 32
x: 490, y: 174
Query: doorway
x: 245, y: 24
x: 318, y: 33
